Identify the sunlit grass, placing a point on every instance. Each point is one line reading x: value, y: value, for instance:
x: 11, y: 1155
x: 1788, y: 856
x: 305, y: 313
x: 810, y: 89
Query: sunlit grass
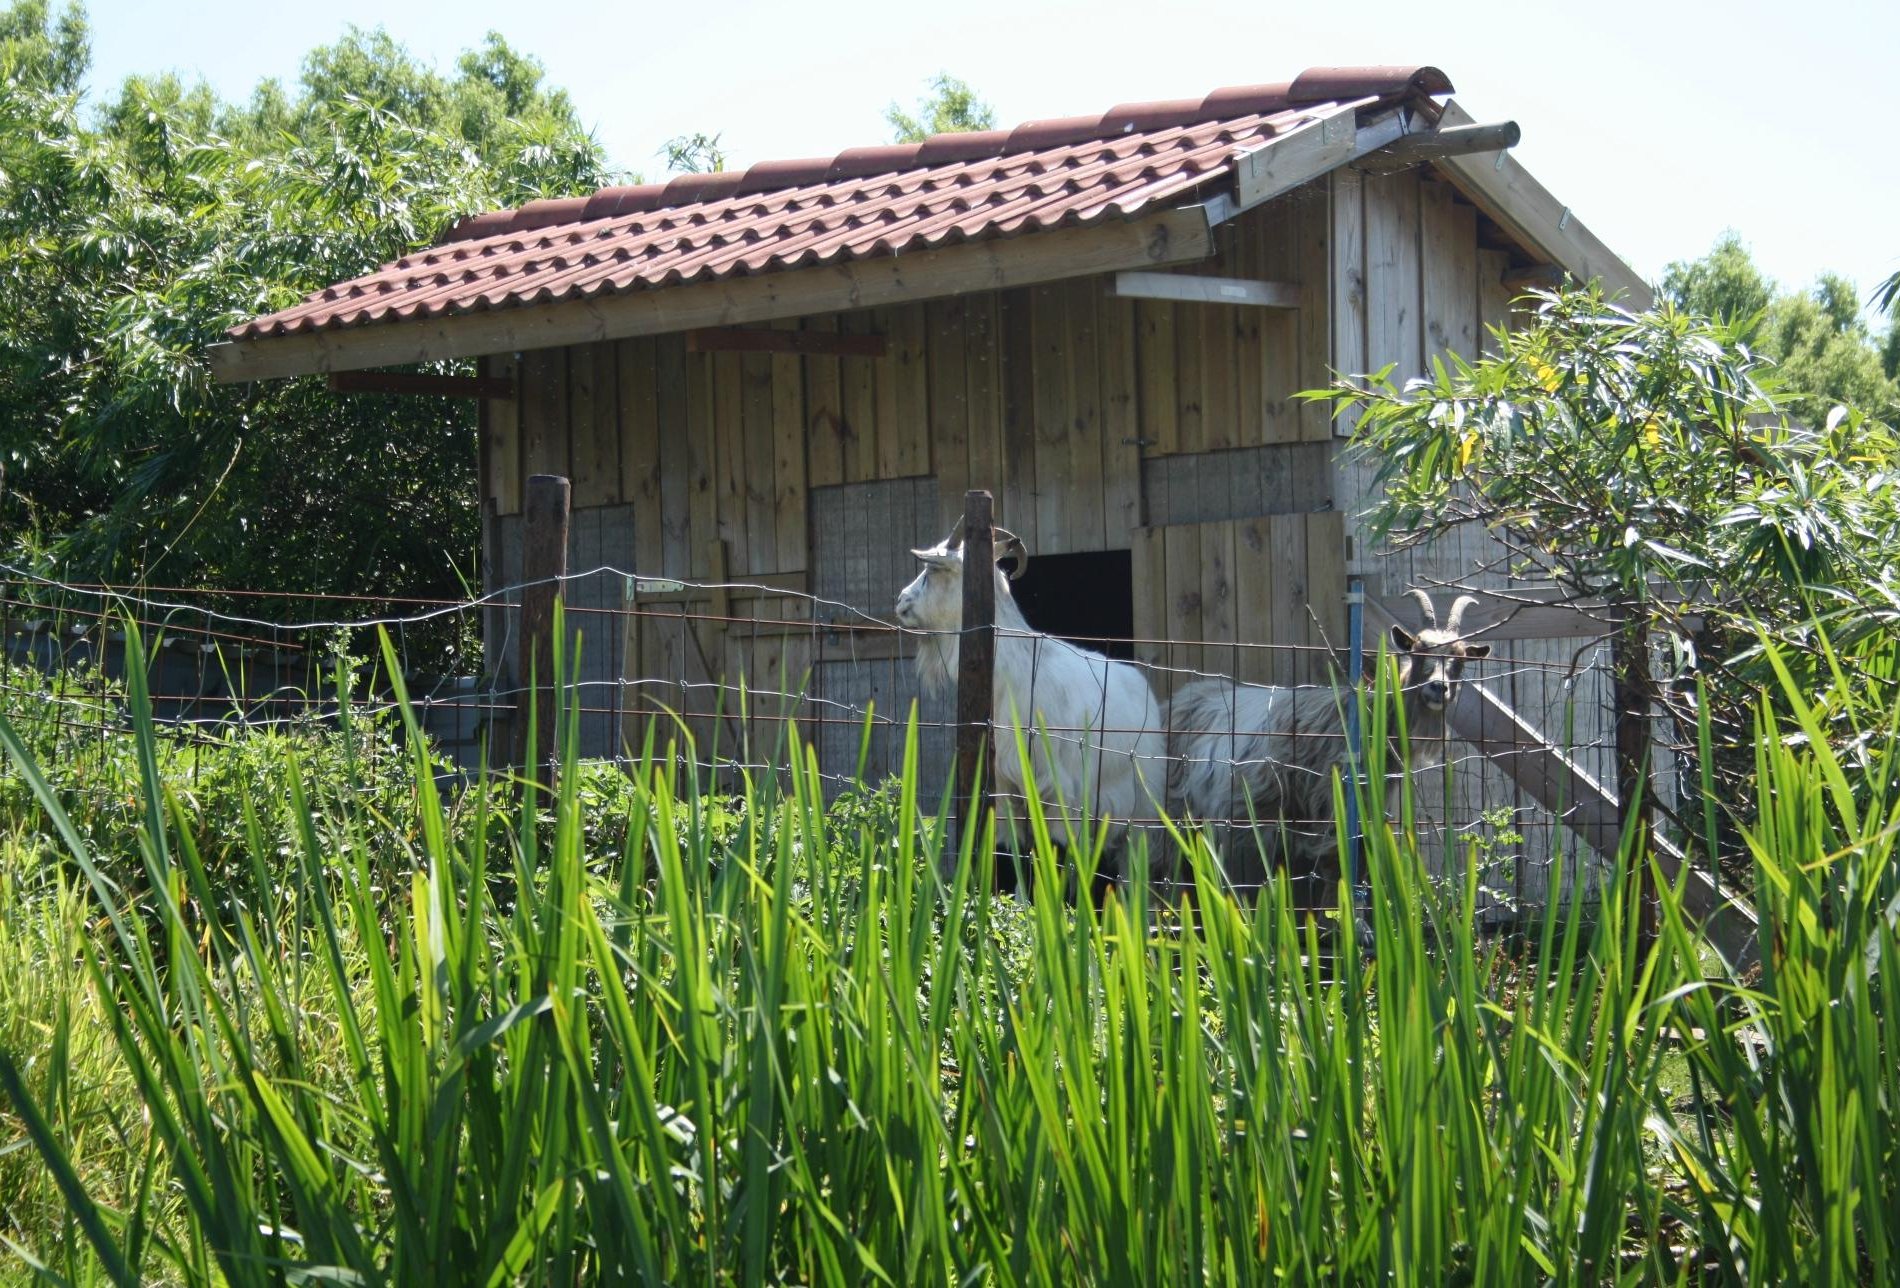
x: 757, y: 1038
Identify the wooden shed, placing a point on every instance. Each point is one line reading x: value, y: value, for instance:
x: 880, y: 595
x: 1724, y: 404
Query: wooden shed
x: 767, y: 384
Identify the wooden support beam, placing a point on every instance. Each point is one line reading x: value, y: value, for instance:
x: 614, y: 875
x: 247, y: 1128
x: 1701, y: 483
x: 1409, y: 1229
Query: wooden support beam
x: 1206, y: 290
x: 1582, y: 804
x: 768, y: 340
x: 1537, y: 221
x: 1447, y: 141
x: 1166, y: 237
x: 976, y: 672
x: 424, y: 383
x: 1300, y: 155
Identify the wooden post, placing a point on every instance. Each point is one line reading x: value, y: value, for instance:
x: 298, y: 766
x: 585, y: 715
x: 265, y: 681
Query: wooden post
x: 976, y: 671
x: 1629, y: 661
x: 543, y: 564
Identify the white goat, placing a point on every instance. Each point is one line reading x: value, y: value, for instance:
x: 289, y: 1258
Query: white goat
x: 1267, y: 752
x: 1094, y: 730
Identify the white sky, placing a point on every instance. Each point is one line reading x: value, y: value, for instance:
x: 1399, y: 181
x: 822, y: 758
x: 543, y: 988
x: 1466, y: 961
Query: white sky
x: 1660, y: 123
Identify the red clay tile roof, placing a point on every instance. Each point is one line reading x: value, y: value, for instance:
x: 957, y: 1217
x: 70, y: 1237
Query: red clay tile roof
x: 860, y: 203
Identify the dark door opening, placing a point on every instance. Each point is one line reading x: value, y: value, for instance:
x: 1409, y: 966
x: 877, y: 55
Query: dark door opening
x: 1087, y: 599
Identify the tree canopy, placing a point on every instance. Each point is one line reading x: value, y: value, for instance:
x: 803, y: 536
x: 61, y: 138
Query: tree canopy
x: 951, y: 107
x: 1824, y: 351
x: 133, y: 234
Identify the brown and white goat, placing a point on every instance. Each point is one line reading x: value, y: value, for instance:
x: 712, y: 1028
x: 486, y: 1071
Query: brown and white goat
x: 1267, y: 752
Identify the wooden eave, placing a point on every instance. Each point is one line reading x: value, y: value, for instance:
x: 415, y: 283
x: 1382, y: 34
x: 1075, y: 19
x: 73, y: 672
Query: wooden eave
x: 1168, y: 237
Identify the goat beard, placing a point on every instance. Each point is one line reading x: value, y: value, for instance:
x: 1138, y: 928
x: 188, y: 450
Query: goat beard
x: 937, y: 662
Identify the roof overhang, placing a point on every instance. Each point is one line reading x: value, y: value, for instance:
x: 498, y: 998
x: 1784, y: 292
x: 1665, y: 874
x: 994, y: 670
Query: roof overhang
x: 1404, y: 133
x: 1167, y: 237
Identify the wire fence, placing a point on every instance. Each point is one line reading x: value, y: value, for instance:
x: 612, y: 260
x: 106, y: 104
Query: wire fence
x: 720, y: 674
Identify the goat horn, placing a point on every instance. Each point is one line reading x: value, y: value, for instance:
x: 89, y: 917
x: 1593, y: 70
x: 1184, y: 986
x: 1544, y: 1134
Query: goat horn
x: 1457, y: 616
x: 955, y: 538
x: 1425, y: 607
x: 1007, y: 544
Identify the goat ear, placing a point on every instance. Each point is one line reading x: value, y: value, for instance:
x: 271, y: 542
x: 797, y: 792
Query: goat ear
x: 1475, y: 651
x: 1403, y: 640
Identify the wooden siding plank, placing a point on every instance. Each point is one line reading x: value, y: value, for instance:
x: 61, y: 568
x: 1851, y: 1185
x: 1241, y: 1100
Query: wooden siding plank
x: 908, y: 366
x: 544, y: 411
x: 1347, y: 298
x: 1156, y: 374
x: 1254, y: 600
x: 1312, y: 268
x: 729, y: 454
x: 594, y: 415
x: 1220, y: 374
x: 949, y: 406
x: 1048, y: 312
x: 1190, y: 433
x: 759, y: 483
x: 982, y: 350
x: 639, y: 432
x: 1494, y: 297
x: 1280, y: 342
x: 788, y: 434
x: 1120, y: 424
x: 702, y: 462
x: 859, y: 378
x: 1018, y: 511
x: 1085, y: 484
x: 1217, y: 598
x: 502, y: 427
x: 825, y: 432
x: 1448, y: 236
x: 1149, y: 569
x: 1325, y: 589
x: 1287, y: 631
x: 1181, y: 545
x: 678, y: 485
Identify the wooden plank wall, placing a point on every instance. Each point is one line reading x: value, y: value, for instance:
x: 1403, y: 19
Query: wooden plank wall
x: 1265, y: 596
x: 1410, y: 280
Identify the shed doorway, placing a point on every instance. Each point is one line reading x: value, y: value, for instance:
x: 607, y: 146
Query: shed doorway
x: 1087, y: 599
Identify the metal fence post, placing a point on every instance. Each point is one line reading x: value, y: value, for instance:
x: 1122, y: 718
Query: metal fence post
x: 543, y: 565
x: 976, y: 670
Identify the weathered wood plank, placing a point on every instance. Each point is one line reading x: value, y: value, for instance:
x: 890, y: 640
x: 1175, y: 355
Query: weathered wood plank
x: 788, y: 433
x: 1287, y: 621
x: 1291, y: 159
x: 1048, y: 311
x: 759, y: 482
x: 729, y: 454
x: 502, y: 430
x: 1156, y: 373
x: 949, y: 406
x: 1220, y: 375
x: 825, y: 433
x: 1217, y: 573
x: 1254, y: 600
x: 639, y: 433
x: 861, y: 424
x: 1181, y: 546
x: 1086, y: 482
x: 909, y: 369
x: 1120, y: 423
x: 1190, y: 434
x: 1148, y: 567
x: 597, y: 426
x: 702, y: 431
x: 544, y: 412
x: 1242, y: 291
x: 783, y: 339
x: 1312, y: 239
x: 677, y: 481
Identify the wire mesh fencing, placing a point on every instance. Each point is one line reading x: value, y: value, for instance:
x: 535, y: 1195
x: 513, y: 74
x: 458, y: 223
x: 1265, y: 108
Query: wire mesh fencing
x: 1240, y: 740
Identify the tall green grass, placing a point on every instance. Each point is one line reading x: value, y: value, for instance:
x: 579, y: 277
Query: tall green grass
x: 494, y: 1050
